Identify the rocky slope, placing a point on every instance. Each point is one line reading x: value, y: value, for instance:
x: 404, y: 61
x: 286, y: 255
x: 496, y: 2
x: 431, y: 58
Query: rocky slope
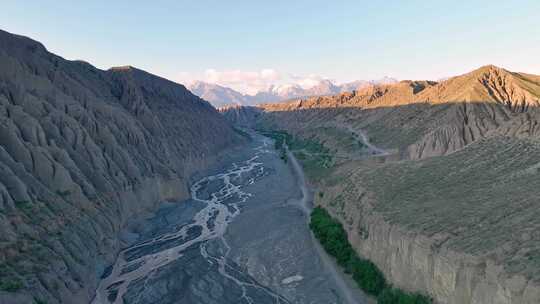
x: 81, y: 151
x: 455, y: 215
x: 423, y: 119
x: 241, y: 115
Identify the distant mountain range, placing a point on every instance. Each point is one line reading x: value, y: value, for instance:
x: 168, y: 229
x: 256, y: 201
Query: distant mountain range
x: 220, y: 96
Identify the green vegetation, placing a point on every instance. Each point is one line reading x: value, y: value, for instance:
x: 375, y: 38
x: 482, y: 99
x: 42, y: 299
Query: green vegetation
x: 242, y: 133
x: 23, y: 205
x: 281, y: 138
x: 367, y: 275
x: 11, y: 286
x: 38, y: 301
x: 309, y: 145
x: 393, y: 296
x: 315, y: 158
x: 342, y: 140
x: 333, y: 238
x: 300, y: 155
x: 63, y: 193
x: 315, y: 154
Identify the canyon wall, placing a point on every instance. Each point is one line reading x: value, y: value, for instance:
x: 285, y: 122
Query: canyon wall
x: 83, y: 150
x: 462, y: 228
x: 418, y: 263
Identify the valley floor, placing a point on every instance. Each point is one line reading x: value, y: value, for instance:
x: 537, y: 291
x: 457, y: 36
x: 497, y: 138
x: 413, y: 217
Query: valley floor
x: 242, y: 238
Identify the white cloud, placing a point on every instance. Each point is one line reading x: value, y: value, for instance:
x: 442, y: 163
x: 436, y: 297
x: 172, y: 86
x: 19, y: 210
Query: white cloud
x: 244, y: 81
x: 249, y: 82
x: 309, y: 81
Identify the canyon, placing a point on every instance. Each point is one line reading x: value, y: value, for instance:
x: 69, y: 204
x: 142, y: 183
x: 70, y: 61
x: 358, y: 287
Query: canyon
x: 241, y: 238
x: 122, y: 187
x: 82, y: 151
x: 118, y: 186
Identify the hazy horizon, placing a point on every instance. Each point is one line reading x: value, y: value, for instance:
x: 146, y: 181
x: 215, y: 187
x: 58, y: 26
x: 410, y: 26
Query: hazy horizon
x: 249, y: 46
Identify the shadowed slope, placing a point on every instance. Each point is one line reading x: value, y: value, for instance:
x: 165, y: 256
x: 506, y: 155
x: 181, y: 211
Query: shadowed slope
x: 456, y: 216
x: 423, y: 119
x: 81, y: 151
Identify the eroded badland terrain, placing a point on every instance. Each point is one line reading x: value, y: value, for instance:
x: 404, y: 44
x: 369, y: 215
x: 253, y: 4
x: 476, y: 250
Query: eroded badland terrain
x: 118, y: 186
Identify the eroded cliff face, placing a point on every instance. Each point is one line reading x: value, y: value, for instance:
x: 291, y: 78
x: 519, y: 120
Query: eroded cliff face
x: 462, y: 228
x: 243, y: 116
x: 81, y: 151
x: 415, y: 262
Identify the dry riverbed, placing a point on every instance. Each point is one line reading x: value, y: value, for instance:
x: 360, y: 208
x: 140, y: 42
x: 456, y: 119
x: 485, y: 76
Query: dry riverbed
x: 242, y: 238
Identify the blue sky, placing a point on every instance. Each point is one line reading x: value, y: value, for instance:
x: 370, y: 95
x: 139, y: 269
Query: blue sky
x: 263, y: 42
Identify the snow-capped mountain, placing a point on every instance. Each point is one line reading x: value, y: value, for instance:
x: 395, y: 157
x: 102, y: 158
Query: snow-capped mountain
x: 286, y: 91
x: 359, y: 84
x: 219, y: 95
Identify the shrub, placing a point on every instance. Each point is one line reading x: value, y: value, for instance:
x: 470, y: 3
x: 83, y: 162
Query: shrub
x: 11, y: 286
x: 300, y: 155
x: 333, y: 238
x: 396, y: 296
x: 242, y: 133
x: 38, y: 301
x: 280, y: 138
x: 365, y: 273
x: 23, y: 205
x: 368, y: 276
x: 63, y: 193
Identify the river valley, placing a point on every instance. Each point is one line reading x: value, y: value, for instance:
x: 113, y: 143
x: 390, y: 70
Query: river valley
x: 242, y: 238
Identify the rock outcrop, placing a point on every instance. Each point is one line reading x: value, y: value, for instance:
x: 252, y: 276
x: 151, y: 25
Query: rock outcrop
x: 423, y: 118
x: 241, y: 115
x: 81, y: 151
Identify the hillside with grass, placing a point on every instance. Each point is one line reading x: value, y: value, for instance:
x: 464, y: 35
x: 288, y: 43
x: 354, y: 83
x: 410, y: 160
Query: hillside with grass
x: 436, y: 183
x: 419, y: 119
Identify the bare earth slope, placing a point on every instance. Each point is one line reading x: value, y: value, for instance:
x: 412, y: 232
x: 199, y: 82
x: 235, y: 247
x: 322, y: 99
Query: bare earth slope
x: 452, y: 210
x: 422, y: 119
x: 81, y: 151
x: 489, y: 83
x: 240, y: 115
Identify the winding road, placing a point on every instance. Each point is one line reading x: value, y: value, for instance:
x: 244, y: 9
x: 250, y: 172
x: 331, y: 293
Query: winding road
x: 348, y: 288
